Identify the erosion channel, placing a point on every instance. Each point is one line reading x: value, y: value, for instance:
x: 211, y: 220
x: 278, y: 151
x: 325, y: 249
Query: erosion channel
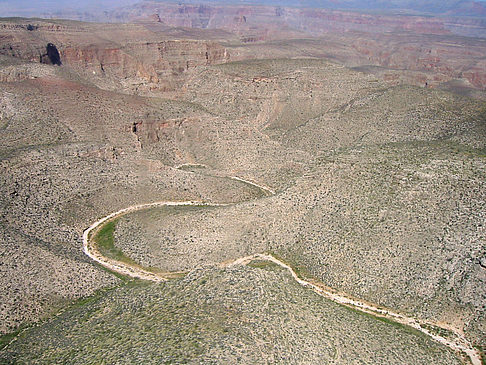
x: 124, y: 265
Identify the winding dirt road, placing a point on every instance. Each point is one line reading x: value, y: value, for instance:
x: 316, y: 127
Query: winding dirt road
x: 458, y: 343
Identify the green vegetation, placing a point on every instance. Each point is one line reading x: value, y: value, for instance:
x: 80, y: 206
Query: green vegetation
x: 5, y: 339
x: 390, y: 321
x: 378, y: 198
x: 443, y: 332
x: 219, y: 316
x: 264, y: 264
x: 192, y: 167
x: 114, y: 273
x: 106, y: 243
x: 72, y: 305
x: 300, y: 270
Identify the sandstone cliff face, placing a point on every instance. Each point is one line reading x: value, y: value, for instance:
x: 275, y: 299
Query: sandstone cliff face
x: 12, y: 46
x: 424, y: 46
x: 319, y: 21
x: 158, y: 65
x: 314, y: 21
x: 135, y: 65
x: 109, y: 60
x: 441, y: 60
x: 114, y: 58
x: 477, y: 75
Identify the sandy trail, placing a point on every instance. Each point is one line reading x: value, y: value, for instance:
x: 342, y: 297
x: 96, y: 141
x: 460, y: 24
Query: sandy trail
x: 458, y: 343
x: 137, y: 272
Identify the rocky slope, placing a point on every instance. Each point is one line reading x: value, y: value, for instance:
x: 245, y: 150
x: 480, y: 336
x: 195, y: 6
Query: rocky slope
x: 68, y: 154
x: 221, y: 316
x: 311, y: 19
x: 386, y: 180
x: 120, y: 61
x: 108, y: 58
x: 372, y: 198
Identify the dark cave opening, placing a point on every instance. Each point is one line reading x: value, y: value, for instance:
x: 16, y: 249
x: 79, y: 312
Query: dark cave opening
x: 53, y: 54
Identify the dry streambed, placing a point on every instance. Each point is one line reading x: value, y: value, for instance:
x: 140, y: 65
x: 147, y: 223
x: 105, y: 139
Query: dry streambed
x: 454, y: 339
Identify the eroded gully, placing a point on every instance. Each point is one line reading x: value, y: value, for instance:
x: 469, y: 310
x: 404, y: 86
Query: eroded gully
x: 458, y: 343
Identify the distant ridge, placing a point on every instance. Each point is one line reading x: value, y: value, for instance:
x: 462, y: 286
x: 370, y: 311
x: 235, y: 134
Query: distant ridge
x: 94, y: 9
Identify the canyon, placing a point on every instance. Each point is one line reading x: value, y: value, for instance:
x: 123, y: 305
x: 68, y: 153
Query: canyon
x: 438, y: 52
x: 335, y: 153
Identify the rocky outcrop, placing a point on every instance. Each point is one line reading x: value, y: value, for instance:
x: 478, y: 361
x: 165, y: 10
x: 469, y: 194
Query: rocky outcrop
x: 108, y: 62
x: 15, y: 73
x: 33, y: 26
x: 314, y: 21
x: 113, y: 59
x: 477, y: 75
x: 158, y: 65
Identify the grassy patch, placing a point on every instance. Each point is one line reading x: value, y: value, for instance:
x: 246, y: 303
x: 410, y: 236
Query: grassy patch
x: 192, y: 167
x: 265, y: 265
x: 389, y: 321
x: 259, y: 192
x: 443, y: 332
x: 304, y: 274
x: 70, y: 305
x: 301, y: 271
x: 105, y: 241
x: 119, y: 276
x: 5, y: 339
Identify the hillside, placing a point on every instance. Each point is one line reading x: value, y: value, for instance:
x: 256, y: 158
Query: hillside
x: 365, y: 185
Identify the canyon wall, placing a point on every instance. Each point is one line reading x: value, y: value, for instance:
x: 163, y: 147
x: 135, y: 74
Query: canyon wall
x: 110, y: 62
x: 142, y: 66
x: 113, y: 57
x: 309, y: 20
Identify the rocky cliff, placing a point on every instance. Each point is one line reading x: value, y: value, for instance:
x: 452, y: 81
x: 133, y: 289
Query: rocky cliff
x: 111, y: 62
x: 311, y: 20
x: 158, y: 65
x: 113, y: 57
